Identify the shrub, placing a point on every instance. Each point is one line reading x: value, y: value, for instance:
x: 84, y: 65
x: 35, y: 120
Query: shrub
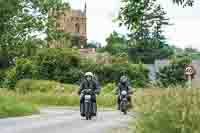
x: 168, y: 111
x: 2, y: 76
x: 24, y: 69
x: 174, y: 73
x: 59, y: 64
x: 106, y: 73
x: 10, y: 78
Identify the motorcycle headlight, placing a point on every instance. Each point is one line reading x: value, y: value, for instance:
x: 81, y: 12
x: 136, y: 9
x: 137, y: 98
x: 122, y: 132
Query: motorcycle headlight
x: 124, y: 93
x: 87, y: 97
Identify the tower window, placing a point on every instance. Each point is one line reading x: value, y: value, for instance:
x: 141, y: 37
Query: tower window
x: 77, y: 28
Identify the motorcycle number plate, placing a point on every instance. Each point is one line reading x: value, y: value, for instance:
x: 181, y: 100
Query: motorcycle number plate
x: 87, y: 97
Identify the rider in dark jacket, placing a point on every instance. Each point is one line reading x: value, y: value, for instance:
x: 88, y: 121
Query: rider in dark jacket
x: 123, y: 85
x: 89, y: 83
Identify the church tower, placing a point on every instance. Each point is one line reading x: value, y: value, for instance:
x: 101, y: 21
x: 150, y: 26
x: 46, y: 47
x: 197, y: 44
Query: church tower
x: 74, y: 22
x: 85, y: 9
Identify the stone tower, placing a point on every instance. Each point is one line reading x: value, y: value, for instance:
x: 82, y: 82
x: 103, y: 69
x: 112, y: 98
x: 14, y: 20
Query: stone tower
x: 73, y: 22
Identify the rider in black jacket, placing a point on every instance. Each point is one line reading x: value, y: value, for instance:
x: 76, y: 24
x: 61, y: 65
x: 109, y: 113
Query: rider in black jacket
x: 123, y: 85
x: 89, y: 83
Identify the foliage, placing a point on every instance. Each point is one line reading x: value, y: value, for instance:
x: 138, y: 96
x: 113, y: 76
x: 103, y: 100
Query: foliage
x: 93, y: 44
x: 66, y: 66
x: 173, y: 74
x: 147, y: 51
x: 195, y: 56
x: 144, y: 18
x: 59, y: 64
x: 26, y: 69
x: 22, y: 22
x: 2, y: 76
x: 190, y: 50
x: 120, y: 58
x: 174, y: 110
x: 116, y: 44
x: 184, y: 3
x: 10, y: 79
x: 107, y: 73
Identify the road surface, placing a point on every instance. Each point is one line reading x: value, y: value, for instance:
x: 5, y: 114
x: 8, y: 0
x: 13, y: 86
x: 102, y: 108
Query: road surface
x: 64, y: 121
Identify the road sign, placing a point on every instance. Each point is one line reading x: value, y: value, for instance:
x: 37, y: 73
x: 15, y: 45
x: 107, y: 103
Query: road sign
x: 189, y: 71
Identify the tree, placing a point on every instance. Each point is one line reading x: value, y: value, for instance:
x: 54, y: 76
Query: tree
x: 116, y: 44
x: 20, y: 19
x: 93, y: 44
x: 184, y: 3
x: 190, y: 50
x: 145, y: 19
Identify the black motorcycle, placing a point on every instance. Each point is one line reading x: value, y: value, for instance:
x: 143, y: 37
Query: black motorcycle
x: 89, y: 107
x: 124, y: 102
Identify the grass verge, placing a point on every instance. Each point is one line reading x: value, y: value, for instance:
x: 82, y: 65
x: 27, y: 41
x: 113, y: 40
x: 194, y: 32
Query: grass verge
x: 173, y: 110
x: 11, y: 107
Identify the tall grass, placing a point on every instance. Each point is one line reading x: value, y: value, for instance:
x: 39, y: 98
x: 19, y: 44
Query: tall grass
x: 51, y: 99
x: 46, y: 93
x: 174, y: 110
x: 12, y: 107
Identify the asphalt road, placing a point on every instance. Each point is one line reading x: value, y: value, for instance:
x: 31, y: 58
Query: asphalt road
x: 64, y: 121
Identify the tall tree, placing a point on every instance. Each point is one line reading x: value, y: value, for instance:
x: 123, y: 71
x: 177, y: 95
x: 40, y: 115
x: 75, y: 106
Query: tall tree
x: 116, y: 43
x: 145, y: 19
x: 184, y: 3
x: 20, y: 19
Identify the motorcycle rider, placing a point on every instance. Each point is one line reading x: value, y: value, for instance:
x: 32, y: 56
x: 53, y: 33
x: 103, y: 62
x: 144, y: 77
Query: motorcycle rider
x: 123, y: 85
x: 89, y: 82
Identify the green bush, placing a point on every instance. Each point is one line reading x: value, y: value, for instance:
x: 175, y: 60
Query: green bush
x: 24, y: 69
x: 10, y: 78
x: 2, y: 76
x: 168, y: 111
x: 106, y: 73
x: 66, y: 66
x: 174, y: 73
x: 25, y: 86
x: 59, y: 64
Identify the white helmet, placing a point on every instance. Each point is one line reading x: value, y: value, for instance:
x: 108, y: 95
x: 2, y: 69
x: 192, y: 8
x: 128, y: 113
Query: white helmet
x: 88, y: 74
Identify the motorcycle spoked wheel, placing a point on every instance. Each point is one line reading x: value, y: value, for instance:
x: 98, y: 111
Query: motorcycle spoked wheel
x: 123, y: 108
x: 87, y: 111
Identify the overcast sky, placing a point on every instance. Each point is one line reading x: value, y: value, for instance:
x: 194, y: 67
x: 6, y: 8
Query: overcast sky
x: 184, y: 32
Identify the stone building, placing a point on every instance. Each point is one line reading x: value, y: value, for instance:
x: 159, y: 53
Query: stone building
x: 73, y: 22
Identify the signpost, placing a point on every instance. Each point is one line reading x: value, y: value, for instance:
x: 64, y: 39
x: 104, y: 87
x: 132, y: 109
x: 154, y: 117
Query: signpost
x: 190, y: 72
